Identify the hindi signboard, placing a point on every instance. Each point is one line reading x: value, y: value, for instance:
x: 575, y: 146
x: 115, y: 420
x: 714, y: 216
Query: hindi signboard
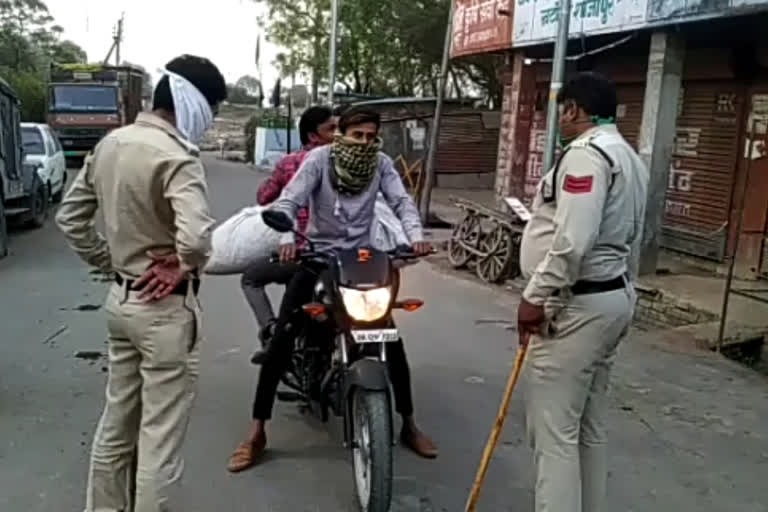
x: 481, y: 26
x: 674, y: 10
x: 535, y: 21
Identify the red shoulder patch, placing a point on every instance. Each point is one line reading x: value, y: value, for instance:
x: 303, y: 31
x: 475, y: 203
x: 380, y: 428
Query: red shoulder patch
x: 578, y: 185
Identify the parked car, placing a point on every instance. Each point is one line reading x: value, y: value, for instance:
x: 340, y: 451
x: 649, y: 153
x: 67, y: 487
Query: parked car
x: 43, y: 149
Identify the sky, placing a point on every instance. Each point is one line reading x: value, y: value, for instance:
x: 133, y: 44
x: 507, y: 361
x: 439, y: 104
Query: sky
x: 155, y: 31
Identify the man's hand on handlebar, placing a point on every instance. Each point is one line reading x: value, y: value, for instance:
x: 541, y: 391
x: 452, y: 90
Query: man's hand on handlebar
x: 422, y: 248
x: 288, y: 253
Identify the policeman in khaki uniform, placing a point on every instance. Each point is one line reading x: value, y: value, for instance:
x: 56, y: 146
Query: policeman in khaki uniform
x: 587, y: 218
x: 150, y: 185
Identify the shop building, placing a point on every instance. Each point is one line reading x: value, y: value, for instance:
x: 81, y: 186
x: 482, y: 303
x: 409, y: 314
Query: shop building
x: 692, y: 80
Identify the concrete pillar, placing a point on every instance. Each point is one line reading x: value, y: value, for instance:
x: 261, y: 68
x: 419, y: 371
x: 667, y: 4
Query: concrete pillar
x: 657, y: 137
x: 516, y: 118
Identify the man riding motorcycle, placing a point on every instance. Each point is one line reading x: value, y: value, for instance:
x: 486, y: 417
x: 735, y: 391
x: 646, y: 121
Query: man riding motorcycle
x: 317, y: 127
x: 340, y: 182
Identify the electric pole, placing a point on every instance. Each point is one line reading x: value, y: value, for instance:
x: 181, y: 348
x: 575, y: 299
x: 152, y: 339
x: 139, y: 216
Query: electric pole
x: 558, y: 74
x: 434, y: 135
x: 118, y: 39
x: 332, y: 45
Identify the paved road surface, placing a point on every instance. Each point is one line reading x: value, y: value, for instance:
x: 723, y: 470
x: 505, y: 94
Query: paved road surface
x: 688, y: 430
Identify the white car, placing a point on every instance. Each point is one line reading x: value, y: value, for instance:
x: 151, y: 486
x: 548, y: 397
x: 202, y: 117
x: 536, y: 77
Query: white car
x: 43, y: 149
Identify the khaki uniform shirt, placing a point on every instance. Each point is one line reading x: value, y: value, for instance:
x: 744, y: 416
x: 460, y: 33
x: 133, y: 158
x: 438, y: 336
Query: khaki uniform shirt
x: 587, y: 215
x: 150, y: 185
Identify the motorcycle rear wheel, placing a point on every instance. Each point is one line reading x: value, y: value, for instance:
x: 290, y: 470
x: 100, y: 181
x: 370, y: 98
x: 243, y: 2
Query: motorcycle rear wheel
x: 372, y: 450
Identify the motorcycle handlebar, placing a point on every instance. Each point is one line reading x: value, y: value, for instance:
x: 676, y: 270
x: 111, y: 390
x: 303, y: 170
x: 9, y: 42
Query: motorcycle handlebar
x: 400, y: 253
x: 300, y: 256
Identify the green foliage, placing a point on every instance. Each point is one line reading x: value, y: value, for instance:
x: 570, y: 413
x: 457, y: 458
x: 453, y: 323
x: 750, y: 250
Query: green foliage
x: 302, y: 27
x: 250, y: 84
x: 384, y: 48
x: 240, y: 95
x: 31, y: 91
x: 29, y: 42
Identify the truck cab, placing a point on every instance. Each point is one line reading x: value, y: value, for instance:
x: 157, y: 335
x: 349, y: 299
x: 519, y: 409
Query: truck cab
x: 83, y: 106
x: 87, y: 101
x: 23, y: 195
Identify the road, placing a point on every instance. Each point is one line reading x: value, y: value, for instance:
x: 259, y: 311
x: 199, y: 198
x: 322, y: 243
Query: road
x: 681, y: 440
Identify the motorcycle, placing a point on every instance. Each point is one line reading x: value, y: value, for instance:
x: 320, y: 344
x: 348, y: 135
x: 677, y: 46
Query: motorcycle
x: 339, y: 363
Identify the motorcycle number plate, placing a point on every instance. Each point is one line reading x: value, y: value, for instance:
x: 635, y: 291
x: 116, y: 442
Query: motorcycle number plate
x: 376, y: 336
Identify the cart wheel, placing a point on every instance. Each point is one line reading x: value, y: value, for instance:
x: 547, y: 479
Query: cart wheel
x: 467, y: 232
x: 500, y: 249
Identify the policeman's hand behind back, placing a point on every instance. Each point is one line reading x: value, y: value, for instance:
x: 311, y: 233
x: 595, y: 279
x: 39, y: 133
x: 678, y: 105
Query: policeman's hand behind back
x: 287, y: 253
x: 163, y: 257
x: 160, y: 280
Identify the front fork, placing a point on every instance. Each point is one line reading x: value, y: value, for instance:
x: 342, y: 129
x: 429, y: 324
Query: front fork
x: 364, y: 375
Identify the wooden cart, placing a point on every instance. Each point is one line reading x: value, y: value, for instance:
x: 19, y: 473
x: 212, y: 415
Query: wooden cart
x: 488, y: 240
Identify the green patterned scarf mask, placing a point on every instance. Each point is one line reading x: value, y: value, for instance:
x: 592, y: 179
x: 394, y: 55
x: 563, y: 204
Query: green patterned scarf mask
x: 354, y: 164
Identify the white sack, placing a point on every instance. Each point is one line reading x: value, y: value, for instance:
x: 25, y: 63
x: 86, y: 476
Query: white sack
x: 244, y: 239
x: 240, y: 241
x: 387, y: 233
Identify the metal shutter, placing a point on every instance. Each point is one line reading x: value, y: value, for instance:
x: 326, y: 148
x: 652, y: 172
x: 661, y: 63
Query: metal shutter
x: 703, y: 168
x: 629, y: 114
x: 468, y: 144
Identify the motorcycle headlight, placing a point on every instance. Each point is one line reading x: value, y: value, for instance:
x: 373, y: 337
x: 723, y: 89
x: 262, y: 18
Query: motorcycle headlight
x: 366, y: 305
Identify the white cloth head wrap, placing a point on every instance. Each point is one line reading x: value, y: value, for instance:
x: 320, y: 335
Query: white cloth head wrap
x: 193, y: 113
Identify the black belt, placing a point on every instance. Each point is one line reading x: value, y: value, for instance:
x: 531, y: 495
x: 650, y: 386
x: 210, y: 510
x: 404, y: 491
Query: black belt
x: 182, y: 289
x: 590, y: 287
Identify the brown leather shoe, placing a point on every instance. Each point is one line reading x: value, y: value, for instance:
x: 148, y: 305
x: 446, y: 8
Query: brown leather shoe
x: 418, y: 442
x: 246, y: 455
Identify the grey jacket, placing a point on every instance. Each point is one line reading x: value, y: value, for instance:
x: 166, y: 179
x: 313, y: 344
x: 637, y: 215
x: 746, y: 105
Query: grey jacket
x: 587, y: 222
x: 343, y: 222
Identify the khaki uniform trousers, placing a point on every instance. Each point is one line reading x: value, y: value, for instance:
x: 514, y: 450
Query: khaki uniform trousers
x: 153, y: 370
x: 568, y: 373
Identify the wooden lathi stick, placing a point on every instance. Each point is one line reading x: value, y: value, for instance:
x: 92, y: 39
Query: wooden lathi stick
x: 498, y: 425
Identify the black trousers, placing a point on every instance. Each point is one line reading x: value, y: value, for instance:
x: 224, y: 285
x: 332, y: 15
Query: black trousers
x: 299, y: 292
x: 259, y: 275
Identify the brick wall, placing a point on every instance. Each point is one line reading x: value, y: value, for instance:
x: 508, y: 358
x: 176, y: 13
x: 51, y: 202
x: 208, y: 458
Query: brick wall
x: 514, y: 133
x: 660, y: 310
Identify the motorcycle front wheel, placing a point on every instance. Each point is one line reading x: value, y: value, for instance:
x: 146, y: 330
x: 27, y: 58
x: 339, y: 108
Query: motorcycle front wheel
x: 372, y: 450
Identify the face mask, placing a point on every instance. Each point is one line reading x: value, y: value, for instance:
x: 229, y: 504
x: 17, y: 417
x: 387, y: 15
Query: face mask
x: 600, y: 121
x: 563, y: 142
x: 193, y: 114
x: 354, y: 164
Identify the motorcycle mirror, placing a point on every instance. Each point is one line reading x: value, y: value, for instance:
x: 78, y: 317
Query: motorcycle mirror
x: 278, y: 221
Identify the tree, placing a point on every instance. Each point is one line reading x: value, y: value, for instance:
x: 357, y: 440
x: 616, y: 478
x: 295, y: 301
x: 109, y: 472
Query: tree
x: 385, y: 48
x: 29, y: 41
x: 302, y: 27
x: 67, y: 51
x: 237, y: 94
x: 31, y: 91
x: 251, y: 85
x: 25, y: 26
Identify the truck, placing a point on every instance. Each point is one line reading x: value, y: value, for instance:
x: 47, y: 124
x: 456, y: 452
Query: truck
x: 23, y: 195
x: 87, y: 101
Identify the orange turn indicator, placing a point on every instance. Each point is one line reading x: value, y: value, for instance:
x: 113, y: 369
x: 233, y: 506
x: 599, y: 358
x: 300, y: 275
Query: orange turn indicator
x: 363, y: 255
x: 411, y: 305
x: 314, y: 309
